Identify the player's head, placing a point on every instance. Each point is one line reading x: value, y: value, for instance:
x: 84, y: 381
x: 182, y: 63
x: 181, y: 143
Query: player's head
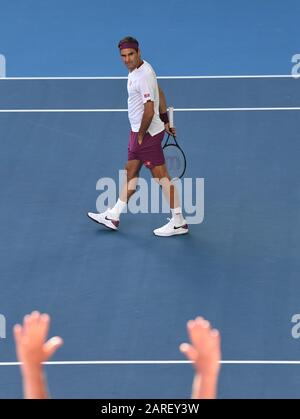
x: 130, y: 52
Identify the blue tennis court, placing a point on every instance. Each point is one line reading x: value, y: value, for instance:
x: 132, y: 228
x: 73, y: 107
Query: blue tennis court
x: 126, y: 296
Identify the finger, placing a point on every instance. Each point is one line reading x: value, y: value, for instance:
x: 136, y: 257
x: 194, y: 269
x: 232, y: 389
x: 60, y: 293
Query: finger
x: 17, y: 333
x: 198, y: 331
x: 200, y: 321
x: 26, y: 323
x: 35, y: 326
x: 215, y: 333
x: 52, y: 345
x: 217, y: 336
x: 45, y: 325
x: 35, y: 318
x: 189, y: 351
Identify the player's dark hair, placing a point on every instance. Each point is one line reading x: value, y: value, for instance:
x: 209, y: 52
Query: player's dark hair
x: 128, y: 39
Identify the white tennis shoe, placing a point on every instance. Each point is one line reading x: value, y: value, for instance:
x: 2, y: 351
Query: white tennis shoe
x: 170, y: 229
x: 105, y: 219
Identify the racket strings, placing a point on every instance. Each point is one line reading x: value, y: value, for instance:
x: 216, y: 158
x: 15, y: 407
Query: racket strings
x: 175, y: 160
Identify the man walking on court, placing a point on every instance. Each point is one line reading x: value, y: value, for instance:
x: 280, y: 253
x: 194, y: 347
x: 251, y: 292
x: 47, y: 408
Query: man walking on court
x: 148, y: 118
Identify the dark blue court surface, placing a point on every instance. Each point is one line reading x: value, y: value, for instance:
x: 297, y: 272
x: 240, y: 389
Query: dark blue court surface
x: 127, y: 295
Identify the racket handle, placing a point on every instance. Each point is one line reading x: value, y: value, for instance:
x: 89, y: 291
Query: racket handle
x: 171, y: 116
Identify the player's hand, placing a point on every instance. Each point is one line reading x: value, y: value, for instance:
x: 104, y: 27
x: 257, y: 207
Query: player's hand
x: 170, y: 131
x: 140, y: 139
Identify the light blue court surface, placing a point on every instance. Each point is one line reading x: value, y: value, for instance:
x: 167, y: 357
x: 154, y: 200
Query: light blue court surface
x: 127, y: 295
x: 191, y: 37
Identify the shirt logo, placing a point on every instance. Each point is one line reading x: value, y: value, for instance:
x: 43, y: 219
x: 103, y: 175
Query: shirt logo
x: 146, y: 95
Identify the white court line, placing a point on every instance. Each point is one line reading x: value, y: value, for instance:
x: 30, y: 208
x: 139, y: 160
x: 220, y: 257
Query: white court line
x: 59, y: 110
x: 166, y: 362
x: 254, y: 76
x: 286, y: 108
x: 295, y: 108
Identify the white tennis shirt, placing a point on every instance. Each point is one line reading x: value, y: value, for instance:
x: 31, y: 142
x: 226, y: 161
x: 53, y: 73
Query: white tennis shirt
x: 142, y: 86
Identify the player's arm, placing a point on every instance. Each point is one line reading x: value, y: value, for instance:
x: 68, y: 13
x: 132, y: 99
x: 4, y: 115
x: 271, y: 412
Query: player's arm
x: 163, y: 112
x: 146, y: 121
x: 162, y: 102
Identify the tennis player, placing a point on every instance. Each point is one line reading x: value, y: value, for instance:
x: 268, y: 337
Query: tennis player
x: 148, y: 118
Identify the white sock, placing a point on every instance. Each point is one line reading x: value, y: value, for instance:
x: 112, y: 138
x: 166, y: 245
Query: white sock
x: 177, y: 216
x: 117, y: 209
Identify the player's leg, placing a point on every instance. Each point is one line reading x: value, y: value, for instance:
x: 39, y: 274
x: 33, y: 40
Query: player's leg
x: 132, y: 169
x: 160, y: 173
x: 177, y: 224
x: 111, y: 217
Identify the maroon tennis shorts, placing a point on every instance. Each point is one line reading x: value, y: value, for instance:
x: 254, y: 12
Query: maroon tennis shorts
x: 150, y: 152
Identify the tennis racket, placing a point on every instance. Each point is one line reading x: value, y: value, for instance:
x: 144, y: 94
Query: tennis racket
x: 174, y: 155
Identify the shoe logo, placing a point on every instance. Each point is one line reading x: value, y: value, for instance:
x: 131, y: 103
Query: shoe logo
x: 114, y: 222
x: 176, y: 228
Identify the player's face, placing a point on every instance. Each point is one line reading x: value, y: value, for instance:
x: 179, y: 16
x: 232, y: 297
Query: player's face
x: 131, y: 58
